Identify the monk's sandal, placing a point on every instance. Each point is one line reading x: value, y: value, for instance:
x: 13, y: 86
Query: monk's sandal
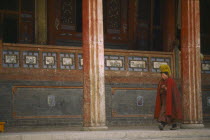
x: 174, y: 127
x: 161, y: 126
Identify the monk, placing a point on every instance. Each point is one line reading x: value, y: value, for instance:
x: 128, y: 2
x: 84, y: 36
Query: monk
x: 168, y: 108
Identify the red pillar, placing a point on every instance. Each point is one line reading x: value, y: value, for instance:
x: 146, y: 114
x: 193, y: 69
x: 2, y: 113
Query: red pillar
x: 191, y: 67
x: 93, y: 57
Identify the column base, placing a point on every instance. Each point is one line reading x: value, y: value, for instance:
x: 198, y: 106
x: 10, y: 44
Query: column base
x: 191, y: 126
x: 102, y: 128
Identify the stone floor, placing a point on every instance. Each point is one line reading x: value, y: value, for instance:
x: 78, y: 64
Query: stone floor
x: 113, y: 133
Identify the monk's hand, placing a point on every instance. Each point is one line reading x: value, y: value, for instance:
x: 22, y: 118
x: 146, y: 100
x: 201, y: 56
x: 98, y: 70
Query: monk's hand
x: 163, y: 86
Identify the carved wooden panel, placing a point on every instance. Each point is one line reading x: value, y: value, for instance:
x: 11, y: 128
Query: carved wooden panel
x: 66, y: 18
x: 113, y: 16
x: 116, y: 21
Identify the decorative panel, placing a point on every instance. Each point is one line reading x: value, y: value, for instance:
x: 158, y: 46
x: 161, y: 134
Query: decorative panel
x: 140, y: 101
x: 206, y: 101
x: 133, y: 102
x: 30, y: 59
x: 68, y: 15
x: 47, y: 102
x: 113, y: 16
x: 138, y: 63
x: 116, y: 20
x: 11, y: 59
x: 205, y: 66
x: 33, y: 57
x: 49, y: 60
x: 67, y: 61
x: 157, y: 61
x: 115, y: 63
x: 80, y: 58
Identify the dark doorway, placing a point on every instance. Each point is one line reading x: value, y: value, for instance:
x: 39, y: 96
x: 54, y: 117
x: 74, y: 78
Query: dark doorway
x: 10, y: 29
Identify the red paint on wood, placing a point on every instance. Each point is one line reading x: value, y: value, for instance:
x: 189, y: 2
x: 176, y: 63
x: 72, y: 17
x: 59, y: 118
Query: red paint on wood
x: 191, y: 68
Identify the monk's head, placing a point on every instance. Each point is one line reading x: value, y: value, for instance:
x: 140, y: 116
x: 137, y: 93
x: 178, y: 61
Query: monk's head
x: 165, y: 71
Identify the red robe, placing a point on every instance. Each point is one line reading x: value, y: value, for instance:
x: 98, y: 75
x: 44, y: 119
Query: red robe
x: 173, y: 101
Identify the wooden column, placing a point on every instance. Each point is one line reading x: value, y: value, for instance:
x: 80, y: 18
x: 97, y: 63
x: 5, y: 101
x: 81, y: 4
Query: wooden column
x: 191, y: 66
x: 168, y: 25
x: 41, y: 22
x: 93, y: 61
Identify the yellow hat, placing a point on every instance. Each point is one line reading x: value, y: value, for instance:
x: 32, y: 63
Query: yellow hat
x: 165, y: 68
